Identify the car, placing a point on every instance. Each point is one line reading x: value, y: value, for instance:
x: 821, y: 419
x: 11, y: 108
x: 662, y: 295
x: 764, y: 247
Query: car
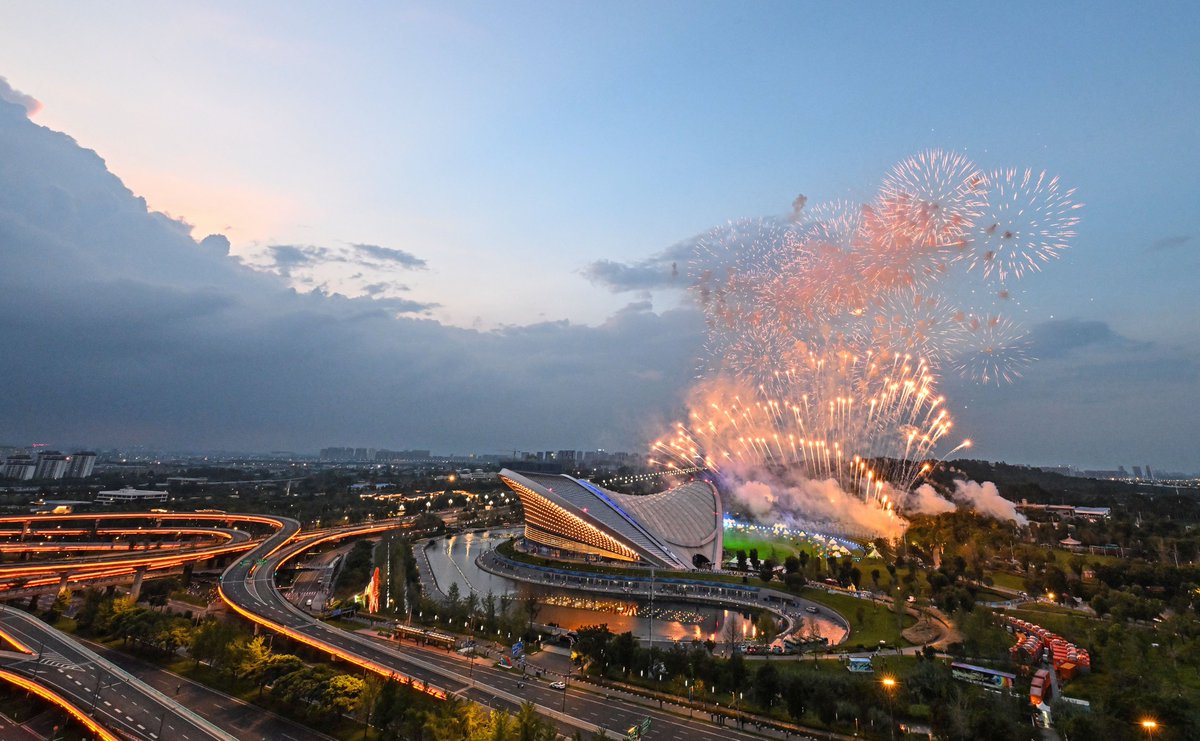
x: 811, y: 609
x: 558, y: 685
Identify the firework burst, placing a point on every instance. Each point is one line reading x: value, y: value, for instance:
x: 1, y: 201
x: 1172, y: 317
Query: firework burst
x: 996, y: 350
x: 826, y: 330
x: 1029, y: 220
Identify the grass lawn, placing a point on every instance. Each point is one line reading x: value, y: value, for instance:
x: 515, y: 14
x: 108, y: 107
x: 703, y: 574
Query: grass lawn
x: 1068, y: 624
x: 878, y: 622
x: 1007, y: 580
x: 777, y: 548
x: 185, y: 596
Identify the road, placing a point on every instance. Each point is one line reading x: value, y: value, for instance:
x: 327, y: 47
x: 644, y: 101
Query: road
x: 241, y: 718
x: 50, y: 574
x: 314, y: 583
x: 114, y: 698
x: 251, y: 591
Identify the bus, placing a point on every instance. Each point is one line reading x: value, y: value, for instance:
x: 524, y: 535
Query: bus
x: 982, y: 676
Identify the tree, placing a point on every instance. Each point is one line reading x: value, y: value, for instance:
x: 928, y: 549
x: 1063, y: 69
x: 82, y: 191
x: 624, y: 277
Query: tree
x: 765, y: 626
x: 249, y: 656
x: 624, y: 649
x: 533, y: 727
x: 453, y: 601
x: 274, y: 667
x: 766, y: 685
x: 86, y: 616
x: 212, y: 643
x: 796, y: 698
x: 741, y: 559
x: 791, y: 565
x: 766, y: 570
x: 736, y: 671
x: 489, y: 612
x: 754, y: 558
x: 875, y: 578
x: 595, y: 643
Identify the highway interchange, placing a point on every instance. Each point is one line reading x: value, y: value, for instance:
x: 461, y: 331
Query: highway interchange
x: 94, y: 688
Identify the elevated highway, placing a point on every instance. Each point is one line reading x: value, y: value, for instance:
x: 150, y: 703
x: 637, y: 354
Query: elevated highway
x: 106, y: 699
x: 251, y: 592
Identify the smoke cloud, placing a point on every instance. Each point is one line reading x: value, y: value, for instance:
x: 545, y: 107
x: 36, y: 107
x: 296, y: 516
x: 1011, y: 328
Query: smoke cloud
x: 986, y: 500
x: 926, y: 501
x: 798, y: 206
x: 801, y: 502
x: 7, y: 92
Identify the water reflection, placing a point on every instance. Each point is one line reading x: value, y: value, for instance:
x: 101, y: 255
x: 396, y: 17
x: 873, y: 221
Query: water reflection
x: 452, y: 561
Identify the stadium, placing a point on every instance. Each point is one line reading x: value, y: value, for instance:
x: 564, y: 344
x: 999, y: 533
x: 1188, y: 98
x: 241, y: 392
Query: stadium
x: 675, y: 529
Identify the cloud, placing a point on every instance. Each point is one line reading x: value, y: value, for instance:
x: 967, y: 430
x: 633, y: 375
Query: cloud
x: 392, y: 255
x: 217, y: 243
x: 10, y: 94
x: 1060, y: 337
x: 664, y: 270
x: 1169, y: 243
x: 289, y: 257
x: 142, y: 335
x: 354, y: 270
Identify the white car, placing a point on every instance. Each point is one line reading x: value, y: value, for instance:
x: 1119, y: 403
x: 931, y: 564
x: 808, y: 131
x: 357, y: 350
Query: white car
x: 558, y: 685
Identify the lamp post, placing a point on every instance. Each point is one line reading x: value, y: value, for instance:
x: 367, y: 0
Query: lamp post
x: 1149, y: 725
x: 889, y: 686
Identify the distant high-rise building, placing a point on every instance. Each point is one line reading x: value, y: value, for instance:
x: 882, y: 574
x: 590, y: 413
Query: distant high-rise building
x: 51, y: 464
x: 81, y: 464
x: 1149, y: 473
x: 20, y: 467
x: 1137, y: 472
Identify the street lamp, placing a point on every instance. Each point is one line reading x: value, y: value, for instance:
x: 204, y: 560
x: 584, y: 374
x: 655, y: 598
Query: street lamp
x: 889, y: 686
x: 1149, y: 725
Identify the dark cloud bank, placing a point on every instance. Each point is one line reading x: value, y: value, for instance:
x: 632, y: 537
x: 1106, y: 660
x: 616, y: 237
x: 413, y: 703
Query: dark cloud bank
x: 119, y: 328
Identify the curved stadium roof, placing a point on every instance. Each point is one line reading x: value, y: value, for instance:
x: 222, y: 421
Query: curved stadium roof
x: 666, y: 529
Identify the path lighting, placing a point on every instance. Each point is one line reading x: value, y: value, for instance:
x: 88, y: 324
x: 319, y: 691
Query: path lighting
x: 1149, y: 725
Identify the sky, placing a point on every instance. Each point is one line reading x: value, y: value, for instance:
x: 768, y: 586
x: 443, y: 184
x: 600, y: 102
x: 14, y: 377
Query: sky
x: 472, y: 173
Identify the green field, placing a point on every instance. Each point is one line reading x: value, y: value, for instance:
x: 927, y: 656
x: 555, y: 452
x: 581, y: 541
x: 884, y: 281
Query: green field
x: 878, y: 622
x: 769, y: 545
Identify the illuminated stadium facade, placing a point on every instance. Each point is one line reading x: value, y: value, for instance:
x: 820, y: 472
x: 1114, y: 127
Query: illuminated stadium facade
x: 676, y: 529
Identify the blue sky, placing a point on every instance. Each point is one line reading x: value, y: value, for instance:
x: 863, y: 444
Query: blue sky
x: 510, y: 146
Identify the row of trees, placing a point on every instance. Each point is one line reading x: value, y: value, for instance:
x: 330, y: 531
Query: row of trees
x: 323, y: 696
x: 807, y: 693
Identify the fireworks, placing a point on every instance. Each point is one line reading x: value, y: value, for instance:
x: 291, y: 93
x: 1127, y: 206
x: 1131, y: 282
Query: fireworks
x: 1028, y: 220
x: 996, y: 351
x: 861, y: 420
x: 827, y: 329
